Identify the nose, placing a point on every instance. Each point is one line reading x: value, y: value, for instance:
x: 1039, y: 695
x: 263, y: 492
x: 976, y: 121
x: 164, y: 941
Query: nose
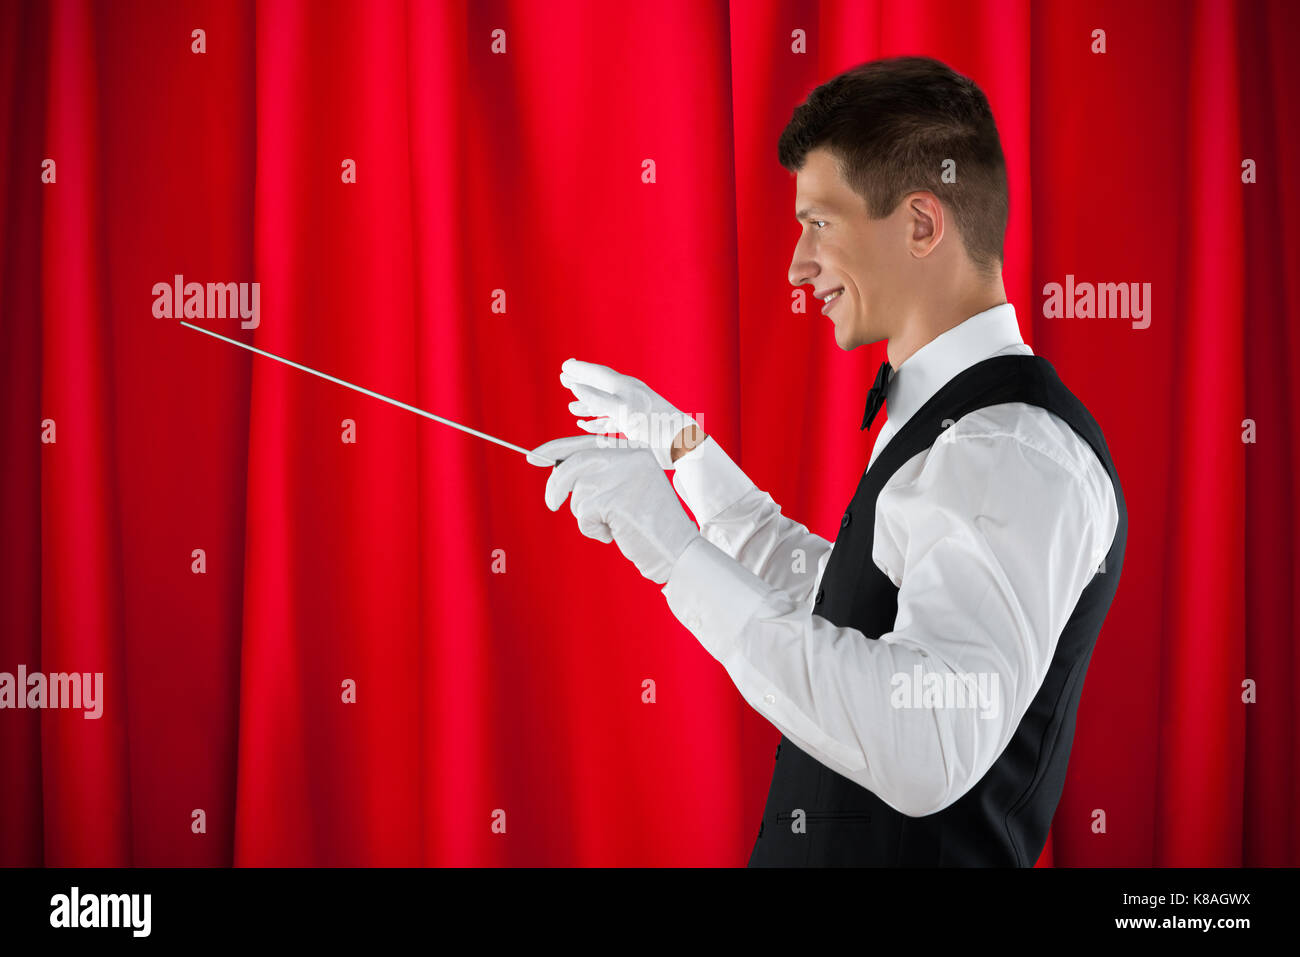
x: 803, y: 267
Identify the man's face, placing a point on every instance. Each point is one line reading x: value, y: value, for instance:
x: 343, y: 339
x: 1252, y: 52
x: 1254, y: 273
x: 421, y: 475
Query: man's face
x: 840, y: 247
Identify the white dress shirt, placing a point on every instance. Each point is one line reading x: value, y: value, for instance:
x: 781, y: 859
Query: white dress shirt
x: 990, y: 535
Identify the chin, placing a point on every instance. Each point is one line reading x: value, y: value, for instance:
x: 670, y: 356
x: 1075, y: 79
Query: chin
x: 846, y: 340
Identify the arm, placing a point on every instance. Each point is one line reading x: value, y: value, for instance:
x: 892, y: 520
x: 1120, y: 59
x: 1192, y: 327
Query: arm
x: 744, y: 522
x: 991, y: 541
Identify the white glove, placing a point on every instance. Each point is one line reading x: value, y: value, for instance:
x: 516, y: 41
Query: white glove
x: 621, y: 403
x: 620, y: 495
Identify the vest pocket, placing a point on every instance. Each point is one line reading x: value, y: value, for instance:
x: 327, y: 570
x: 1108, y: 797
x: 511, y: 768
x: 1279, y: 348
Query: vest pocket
x: 847, y: 817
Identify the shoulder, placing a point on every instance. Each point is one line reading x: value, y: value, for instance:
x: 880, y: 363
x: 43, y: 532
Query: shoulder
x: 1031, y: 428
x: 1012, y: 445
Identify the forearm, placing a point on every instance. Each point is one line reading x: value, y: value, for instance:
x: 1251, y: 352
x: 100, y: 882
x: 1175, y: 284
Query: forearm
x: 745, y: 523
x: 687, y: 439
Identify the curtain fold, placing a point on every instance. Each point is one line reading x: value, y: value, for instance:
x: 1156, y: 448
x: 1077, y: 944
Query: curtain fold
x: 335, y: 633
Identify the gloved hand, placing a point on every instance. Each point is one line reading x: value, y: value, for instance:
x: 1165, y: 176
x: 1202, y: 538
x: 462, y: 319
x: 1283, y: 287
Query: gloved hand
x: 621, y: 403
x: 621, y: 495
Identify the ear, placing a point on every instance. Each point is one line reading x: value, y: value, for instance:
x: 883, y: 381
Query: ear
x: 925, y: 222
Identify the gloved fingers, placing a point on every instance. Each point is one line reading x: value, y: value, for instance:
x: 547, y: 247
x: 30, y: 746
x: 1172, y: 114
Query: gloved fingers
x: 592, y: 401
x: 575, y: 466
x: 575, y: 371
x: 600, y: 425
x: 562, y: 448
x: 586, y: 509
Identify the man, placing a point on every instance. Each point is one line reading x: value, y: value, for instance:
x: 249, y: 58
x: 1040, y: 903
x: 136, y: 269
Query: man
x: 926, y: 675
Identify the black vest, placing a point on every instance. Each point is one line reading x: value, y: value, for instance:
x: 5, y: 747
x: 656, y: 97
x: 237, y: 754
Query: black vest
x: 1003, y: 820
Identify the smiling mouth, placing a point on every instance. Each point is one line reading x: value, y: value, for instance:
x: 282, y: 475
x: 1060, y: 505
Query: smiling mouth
x: 832, y: 301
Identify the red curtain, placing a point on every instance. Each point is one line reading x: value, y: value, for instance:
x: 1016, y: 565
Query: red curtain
x: 501, y: 221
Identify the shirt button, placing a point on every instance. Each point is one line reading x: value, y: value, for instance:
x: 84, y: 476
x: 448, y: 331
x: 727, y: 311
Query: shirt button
x: 844, y: 522
x: 821, y: 593
x: 769, y: 698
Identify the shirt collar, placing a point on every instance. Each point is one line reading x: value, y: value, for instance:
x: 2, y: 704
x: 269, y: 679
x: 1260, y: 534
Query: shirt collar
x: 930, y: 367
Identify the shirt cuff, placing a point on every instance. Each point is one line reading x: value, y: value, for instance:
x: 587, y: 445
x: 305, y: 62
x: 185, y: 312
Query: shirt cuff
x: 709, y: 481
x: 714, y: 596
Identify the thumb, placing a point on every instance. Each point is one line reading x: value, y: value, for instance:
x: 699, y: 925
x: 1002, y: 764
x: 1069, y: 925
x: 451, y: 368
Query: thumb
x: 562, y: 448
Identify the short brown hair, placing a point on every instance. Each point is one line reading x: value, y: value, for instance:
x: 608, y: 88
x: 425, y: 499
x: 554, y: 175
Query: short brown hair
x: 891, y: 123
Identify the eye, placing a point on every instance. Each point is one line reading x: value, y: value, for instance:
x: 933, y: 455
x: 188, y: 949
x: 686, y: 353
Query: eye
x: 816, y: 221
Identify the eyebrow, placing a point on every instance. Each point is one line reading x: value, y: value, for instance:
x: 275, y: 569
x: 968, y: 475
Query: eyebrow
x: 808, y: 211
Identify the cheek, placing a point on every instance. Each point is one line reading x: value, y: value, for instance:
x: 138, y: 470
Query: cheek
x: 859, y: 272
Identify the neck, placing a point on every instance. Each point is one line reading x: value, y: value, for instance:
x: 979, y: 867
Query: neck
x: 933, y: 318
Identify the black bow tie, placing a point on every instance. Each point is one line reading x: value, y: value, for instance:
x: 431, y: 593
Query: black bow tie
x: 876, y: 397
